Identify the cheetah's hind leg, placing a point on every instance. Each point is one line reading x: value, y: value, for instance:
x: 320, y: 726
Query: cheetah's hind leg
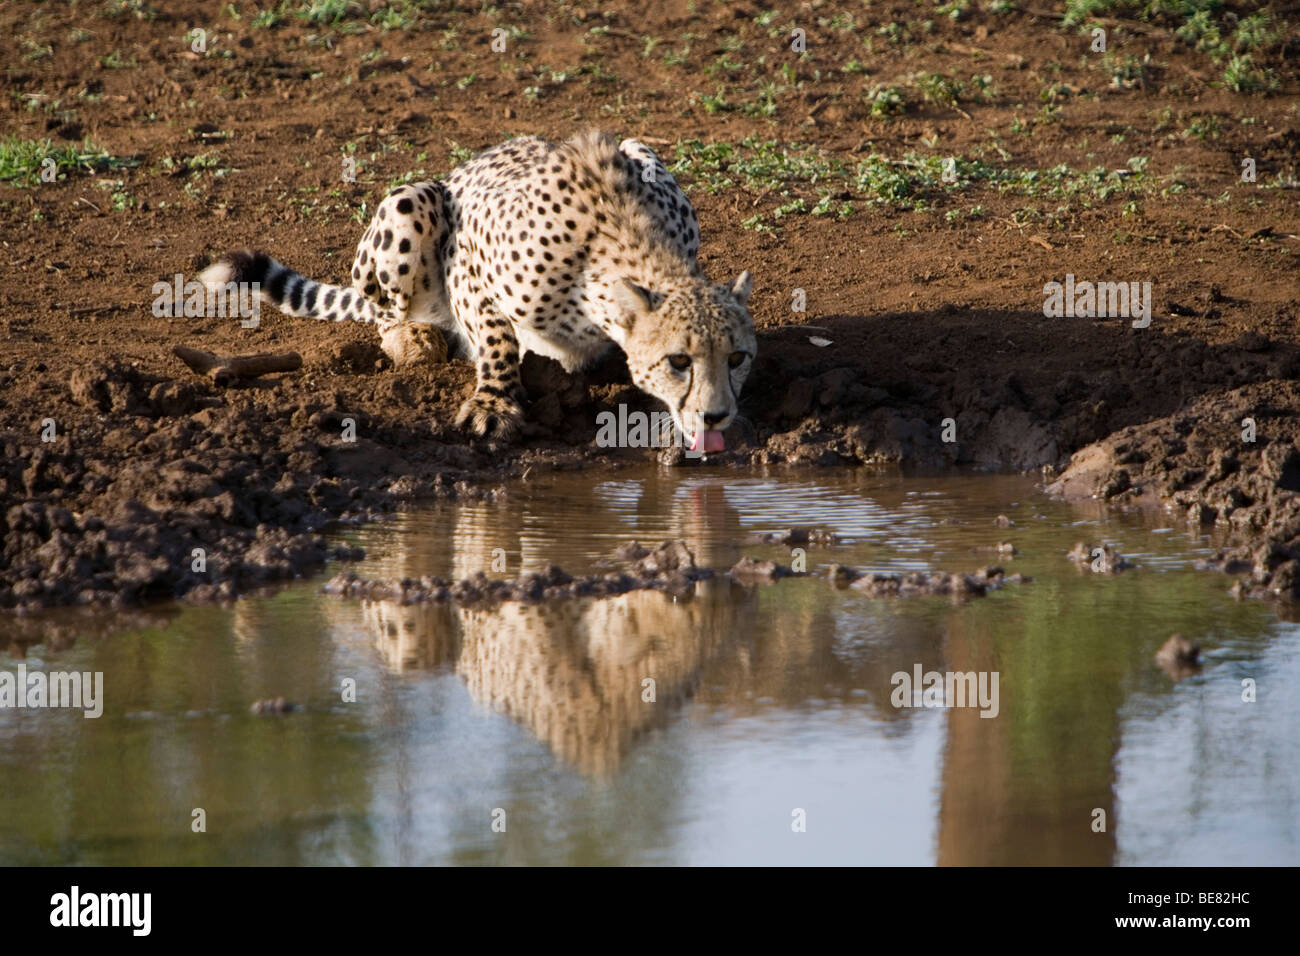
x: 413, y: 343
x: 397, y: 268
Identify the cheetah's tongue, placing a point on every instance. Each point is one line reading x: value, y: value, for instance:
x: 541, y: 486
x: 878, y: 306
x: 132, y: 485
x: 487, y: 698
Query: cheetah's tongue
x: 708, y: 441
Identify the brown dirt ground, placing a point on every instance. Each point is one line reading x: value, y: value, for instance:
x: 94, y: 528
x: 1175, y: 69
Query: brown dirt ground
x: 928, y: 318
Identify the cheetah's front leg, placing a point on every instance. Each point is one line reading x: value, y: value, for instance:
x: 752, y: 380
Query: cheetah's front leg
x: 496, y: 407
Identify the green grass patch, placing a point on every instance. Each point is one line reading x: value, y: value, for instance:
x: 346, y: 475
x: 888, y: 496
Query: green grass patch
x: 1211, y: 27
x: 886, y: 102
x: 346, y: 16
x: 803, y: 180
x: 23, y: 160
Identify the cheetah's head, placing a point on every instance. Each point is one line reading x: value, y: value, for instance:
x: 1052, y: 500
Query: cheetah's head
x: 691, y: 348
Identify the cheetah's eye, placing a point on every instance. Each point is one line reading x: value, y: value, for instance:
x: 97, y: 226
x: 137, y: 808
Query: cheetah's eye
x: 681, y: 361
x: 736, y: 359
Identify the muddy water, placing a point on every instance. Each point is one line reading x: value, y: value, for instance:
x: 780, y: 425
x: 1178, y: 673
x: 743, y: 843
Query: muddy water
x: 772, y: 705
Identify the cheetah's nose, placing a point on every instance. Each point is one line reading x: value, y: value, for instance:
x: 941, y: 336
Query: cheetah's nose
x: 712, y: 418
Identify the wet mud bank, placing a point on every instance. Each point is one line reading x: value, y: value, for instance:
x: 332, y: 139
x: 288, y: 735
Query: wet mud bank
x: 1229, y: 459
x: 131, y: 485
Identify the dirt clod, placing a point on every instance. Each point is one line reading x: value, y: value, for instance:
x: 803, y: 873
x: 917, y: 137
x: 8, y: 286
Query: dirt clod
x: 1179, y: 657
x: 276, y: 705
x: 749, y: 571
x: 1099, y: 559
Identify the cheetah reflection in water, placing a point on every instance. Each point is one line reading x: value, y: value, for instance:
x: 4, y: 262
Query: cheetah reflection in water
x: 571, y: 671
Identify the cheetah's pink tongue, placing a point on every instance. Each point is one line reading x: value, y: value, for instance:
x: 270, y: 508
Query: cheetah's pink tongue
x: 707, y: 441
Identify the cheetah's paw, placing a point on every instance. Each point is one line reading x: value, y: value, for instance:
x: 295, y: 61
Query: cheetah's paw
x: 413, y: 343
x: 491, y: 416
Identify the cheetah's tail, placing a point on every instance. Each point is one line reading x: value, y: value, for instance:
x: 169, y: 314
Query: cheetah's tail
x: 289, y: 291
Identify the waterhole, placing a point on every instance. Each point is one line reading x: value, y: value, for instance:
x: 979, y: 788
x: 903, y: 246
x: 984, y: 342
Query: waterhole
x: 730, y: 724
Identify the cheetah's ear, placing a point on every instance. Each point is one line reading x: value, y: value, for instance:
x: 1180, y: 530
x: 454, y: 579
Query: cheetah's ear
x: 742, y: 287
x: 632, y: 300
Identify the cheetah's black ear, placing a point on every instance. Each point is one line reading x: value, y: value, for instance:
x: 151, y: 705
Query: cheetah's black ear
x: 632, y: 300
x: 742, y: 287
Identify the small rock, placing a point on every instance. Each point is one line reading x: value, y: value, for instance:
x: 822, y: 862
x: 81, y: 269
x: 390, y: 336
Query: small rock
x: 841, y: 576
x: 798, y: 537
x: 277, y: 705
x: 355, y: 358
x: 748, y: 571
x: 1005, y: 548
x: 174, y: 398
x: 669, y: 556
x: 632, y: 551
x: 1179, y: 657
x: 1100, y: 559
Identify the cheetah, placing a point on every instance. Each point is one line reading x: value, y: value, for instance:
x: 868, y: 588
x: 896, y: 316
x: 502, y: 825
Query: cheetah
x: 566, y: 250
